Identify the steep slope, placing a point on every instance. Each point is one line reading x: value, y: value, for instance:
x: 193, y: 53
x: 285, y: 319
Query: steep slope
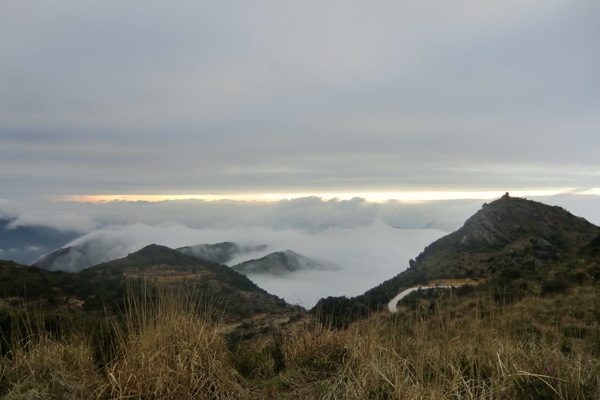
x: 278, y: 263
x: 220, y: 253
x: 509, y: 233
x: 508, y: 237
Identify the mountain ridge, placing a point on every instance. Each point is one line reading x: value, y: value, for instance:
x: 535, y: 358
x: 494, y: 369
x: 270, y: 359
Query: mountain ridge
x: 510, y: 236
x: 278, y: 263
x: 107, y: 284
x: 225, y: 286
x: 220, y: 253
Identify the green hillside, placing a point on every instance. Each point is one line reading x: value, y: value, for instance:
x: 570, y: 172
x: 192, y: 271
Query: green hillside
x: 509, y: 237
x: 108, y: 284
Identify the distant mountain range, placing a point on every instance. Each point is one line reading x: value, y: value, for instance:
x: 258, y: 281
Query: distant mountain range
x: 92, y: 252
x: 78, y: 257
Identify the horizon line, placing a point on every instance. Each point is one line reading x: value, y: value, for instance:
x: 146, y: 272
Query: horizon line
x: 372, y: 197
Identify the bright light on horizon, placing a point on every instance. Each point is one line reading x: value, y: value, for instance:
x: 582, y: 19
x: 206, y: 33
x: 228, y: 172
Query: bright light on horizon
x: 373, y: 197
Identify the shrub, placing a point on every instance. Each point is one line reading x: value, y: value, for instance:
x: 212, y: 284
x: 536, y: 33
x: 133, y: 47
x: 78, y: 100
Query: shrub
x: 554, y: 286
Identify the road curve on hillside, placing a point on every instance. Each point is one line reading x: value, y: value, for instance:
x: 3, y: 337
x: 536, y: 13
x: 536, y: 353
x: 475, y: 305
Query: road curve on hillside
x: 393, y: 304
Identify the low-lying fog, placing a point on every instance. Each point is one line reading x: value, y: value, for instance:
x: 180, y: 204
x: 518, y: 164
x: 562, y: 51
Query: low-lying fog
x: 361, y: 244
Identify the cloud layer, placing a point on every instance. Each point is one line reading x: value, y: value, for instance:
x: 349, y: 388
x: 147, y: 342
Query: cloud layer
x: 103, y: 97
x: 367, y: 243
x: 309, y: 215
x: 358, y: 258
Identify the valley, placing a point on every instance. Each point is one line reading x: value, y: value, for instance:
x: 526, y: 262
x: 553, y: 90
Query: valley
x: 505, y: 307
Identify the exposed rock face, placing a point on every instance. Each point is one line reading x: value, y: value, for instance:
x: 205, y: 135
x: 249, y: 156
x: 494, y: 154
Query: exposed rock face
x: 482, y: 234
x: 505, y: 229
x: 509, y: 233
x: 499, y: 223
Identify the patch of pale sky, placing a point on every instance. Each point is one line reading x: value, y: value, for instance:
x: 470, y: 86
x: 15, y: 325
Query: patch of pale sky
x: 370, y: 197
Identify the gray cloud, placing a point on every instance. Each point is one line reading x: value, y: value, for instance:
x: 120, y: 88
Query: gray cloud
x: 309, y: 215
x: 62, y: 222
x: 105, y: 97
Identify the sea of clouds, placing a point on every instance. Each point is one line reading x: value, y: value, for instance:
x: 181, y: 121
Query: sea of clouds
x: 363, y: 243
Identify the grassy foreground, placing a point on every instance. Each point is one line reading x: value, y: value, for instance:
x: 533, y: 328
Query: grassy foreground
x: 443, y: 346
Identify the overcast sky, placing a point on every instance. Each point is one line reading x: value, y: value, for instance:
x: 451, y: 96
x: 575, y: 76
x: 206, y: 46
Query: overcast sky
x: 154, y: 97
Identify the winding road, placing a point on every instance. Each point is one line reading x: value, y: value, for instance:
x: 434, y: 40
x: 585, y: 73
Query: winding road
x: 393, y: 304
x: 446, y: 283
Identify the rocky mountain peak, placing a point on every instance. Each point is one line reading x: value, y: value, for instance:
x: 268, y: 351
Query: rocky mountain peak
x: 509, y: 233
x: 510, y: 219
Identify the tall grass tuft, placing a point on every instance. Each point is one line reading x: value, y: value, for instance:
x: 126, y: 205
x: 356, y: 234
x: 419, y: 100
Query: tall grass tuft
x: 43, y: 365
x: 169, y: 350
x: 449, y: 351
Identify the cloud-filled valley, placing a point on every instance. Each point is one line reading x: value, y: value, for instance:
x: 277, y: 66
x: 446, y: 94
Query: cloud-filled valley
x: 362, y: 257
x: 363, y: 243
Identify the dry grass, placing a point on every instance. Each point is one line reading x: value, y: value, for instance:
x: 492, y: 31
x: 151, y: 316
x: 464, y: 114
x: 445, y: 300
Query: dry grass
x: 462, y: 351
x: 53, y: 370
x: 438, y: 348
x: 39, y: 366
x: 170, y: 350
